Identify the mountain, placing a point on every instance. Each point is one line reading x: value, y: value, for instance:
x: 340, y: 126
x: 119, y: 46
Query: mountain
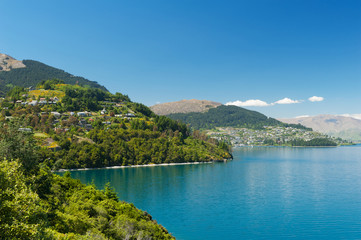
x: 338, y: 126
x: 184, y: 106
x: 239, y: 126
x: 226, y: 116
x: 29, y: 73
x: 205, y: 114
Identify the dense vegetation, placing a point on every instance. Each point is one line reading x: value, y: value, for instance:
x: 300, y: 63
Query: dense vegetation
x: 37, y: 204
x: 229, y: 116
x: 71, y: 126
x: 320, y: 142
x: 122, y: 133
x: 36, y: 72
x: 122, y: 147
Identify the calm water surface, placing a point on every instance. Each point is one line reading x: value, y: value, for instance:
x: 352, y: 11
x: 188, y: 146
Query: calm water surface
x: 264, y: 193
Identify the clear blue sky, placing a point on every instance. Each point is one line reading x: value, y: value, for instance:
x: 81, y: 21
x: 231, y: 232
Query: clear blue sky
x: 225, y: 51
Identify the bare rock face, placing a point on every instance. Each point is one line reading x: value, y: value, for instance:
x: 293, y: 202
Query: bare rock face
x: 7, y: 63
x: 184, y: 106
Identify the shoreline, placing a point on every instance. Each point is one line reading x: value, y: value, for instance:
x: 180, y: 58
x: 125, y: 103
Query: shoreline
x: 132, y: 166
x: 251, y: 146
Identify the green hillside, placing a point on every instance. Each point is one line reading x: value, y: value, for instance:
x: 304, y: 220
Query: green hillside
x: 62, y: 126
x: 80, y: 127
x: 37, y: 204
x: 228, y: 116
x: 35, y: 72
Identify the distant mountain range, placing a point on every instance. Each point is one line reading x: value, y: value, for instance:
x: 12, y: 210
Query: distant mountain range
x: 29, y: 73
x: 184, y: 106
x: 347, y: 128
x: 204, y: 114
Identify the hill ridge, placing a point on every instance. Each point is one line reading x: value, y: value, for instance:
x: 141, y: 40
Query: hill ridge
x: 184, y: 106
x: 224, y: 116
x: 28, y: 73
x: 338, y: 126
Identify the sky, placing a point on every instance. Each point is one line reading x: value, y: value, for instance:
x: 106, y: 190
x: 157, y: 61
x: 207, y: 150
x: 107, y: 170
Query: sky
x: 283, y: 58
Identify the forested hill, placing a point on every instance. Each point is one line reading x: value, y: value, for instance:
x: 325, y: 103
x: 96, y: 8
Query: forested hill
x: 37, y: 204
x: 81, y: 127
x: 228, y: 116
x: 35, y: 72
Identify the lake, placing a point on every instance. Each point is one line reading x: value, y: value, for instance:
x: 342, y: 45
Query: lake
x: 264, y: 193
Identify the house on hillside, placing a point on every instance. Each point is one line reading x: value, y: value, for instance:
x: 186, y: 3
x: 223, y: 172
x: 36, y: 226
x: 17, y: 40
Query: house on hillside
x: 82, y: 114
x: 25, y: 129
x: 56, y: 114
x: 33, y: 103
x: 103, y: 112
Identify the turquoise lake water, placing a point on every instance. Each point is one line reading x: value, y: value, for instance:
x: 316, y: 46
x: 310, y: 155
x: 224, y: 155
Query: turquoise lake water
x: 264, y: 193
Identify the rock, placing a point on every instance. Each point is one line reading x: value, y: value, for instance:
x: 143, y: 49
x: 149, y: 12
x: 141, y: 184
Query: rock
x: 7, y: 63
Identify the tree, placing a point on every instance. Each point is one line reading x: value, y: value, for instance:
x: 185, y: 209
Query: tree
x: 17, y: 144
x: 20, y: 213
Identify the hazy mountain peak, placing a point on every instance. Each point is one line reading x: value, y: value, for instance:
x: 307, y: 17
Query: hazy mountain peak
x: 184, y: 106
x: 7, y: 63
x: 346, y: 127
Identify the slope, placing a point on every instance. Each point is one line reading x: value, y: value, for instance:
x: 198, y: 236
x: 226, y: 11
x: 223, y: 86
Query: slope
x: 86, y: 127
x: 34, y: 72
x: 338, y: 126
x: 184, y: 106
x: 37, y: 204
x: 225, y: 116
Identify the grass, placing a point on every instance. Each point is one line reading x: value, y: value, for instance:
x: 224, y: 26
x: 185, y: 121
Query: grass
x: 41, y: 135
x: 46, y: 93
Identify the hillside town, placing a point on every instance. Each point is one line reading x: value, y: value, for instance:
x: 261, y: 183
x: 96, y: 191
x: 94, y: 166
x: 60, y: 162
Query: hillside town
x: 44, y: 114
x: 268, y: 136
x: 53, y: 109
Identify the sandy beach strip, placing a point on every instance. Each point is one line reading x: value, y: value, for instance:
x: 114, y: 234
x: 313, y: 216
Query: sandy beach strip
x: 131, y: 166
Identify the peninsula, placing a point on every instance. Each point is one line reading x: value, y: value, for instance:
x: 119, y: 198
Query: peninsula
x: 242, y: 127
